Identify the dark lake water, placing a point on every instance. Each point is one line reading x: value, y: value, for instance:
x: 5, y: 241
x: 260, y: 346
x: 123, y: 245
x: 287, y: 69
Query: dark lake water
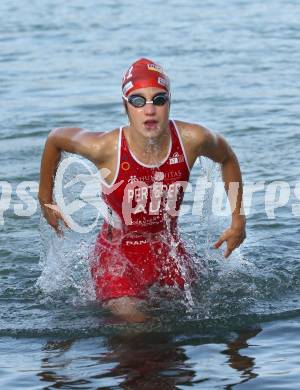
x: 234, y: 67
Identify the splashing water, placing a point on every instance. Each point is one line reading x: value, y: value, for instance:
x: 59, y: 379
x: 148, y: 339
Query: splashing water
x: 65, y: 266
x: 66, y: 262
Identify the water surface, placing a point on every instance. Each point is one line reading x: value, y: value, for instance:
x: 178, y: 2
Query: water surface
x: 234, y: 67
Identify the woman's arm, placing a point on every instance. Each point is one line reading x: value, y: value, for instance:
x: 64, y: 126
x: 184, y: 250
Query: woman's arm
x: 72, y: 140
x: 204, y: 142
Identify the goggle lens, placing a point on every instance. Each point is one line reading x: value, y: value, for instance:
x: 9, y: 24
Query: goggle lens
x: 160, y: 100
x: 137, y: 101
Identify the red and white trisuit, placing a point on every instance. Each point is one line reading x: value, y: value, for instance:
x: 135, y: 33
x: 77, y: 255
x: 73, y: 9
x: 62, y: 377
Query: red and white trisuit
x: 145, y: 247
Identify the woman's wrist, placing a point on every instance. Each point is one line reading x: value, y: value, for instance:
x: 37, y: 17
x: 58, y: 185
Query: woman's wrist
x: 45, y: 199
x: 238, y: 220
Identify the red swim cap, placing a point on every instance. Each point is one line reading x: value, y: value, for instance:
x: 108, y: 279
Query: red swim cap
x: 142, y: 74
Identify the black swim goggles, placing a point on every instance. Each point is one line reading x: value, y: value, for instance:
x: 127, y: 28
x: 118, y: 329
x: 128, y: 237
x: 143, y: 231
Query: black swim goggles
x: 139, y: 101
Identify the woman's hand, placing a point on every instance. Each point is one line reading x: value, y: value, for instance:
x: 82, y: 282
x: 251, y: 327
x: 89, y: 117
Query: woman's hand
x: 53, y: 216
x: 234, y: 236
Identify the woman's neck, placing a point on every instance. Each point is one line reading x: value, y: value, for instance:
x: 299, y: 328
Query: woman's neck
x: 148, y: 150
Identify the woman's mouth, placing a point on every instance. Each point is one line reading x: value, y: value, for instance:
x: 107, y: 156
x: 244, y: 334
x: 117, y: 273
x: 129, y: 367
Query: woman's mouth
x: 150, y: 124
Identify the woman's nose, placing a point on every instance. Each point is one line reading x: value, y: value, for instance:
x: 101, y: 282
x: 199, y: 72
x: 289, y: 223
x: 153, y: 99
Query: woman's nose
x: 149, y: 108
